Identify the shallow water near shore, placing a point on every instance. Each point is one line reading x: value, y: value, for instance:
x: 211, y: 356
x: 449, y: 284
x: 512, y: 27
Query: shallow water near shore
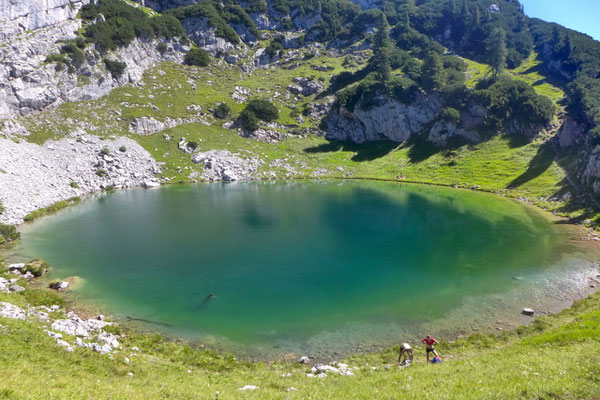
x: 319, y: 268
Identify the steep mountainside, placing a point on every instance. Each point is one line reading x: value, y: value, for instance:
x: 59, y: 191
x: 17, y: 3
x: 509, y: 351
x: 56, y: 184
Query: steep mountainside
x: 432, y: 78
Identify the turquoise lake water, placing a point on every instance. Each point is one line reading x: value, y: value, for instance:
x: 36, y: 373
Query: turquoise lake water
x: 325, y: 268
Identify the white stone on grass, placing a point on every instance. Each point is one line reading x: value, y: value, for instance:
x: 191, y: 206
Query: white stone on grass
x: 8, y: 310
x: 249, y: 387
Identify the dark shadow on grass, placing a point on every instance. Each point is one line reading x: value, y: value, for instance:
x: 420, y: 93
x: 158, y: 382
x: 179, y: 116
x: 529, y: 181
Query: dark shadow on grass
x: 364, y: 151
x: 517, y: 140
x: 537, y: 166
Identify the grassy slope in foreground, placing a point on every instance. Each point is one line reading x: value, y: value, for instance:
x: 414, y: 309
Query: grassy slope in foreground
x: 558, y: 356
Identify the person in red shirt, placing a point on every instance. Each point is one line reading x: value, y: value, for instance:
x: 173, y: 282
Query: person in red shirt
x: 429, y: 342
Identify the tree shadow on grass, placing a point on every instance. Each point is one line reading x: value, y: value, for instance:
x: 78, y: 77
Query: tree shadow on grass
x: 364, y: 151
x: 419, y: 149
x: 537, y: 166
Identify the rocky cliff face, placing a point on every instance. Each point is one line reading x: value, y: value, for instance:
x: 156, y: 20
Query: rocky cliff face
x: 396, y: 121
x: 33, y: 31
x: 587, y: 164
x: 35, y: 14
x: 389, y: 119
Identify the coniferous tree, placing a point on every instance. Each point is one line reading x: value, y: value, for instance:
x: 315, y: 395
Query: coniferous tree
x: 382, y: 50
x: 565, y: 50
x: 432, y: 72
x: 496, y: 49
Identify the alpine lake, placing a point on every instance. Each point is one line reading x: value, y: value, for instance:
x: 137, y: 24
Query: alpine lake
x: 319, y: 268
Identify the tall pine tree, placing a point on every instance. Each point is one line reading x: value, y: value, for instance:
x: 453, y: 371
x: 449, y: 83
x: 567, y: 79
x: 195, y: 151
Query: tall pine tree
x: 382, y: 51
x: 496, y: 49
x: 432, y: 72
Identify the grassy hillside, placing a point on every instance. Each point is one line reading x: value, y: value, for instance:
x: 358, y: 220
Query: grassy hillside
x: 499, y: 164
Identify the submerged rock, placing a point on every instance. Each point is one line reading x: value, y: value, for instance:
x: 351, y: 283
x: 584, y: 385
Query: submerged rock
x: 60, y: 286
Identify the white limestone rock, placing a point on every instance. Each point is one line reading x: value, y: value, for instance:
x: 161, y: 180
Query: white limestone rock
x: 8, y: 310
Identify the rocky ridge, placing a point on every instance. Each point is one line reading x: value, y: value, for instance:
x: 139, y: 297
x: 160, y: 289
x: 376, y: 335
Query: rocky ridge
x: 34, y: 176
x: 35, y: 30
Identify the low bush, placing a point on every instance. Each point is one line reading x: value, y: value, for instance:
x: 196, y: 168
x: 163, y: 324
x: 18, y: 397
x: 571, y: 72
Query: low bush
x: 449, y: 114
x: 222, y: 111
x: 8, y: 233
x: 263, y: 109
x: 274, y: 48
x: 101, y: 172
x: 198, y: 57
x: 115, y: 68
x: 249, y: 120
x: 122, y: 23
x: 122, y: 149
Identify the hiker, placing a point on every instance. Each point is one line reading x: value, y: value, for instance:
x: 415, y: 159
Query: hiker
x: 407, y: 352
x: 429, y: 342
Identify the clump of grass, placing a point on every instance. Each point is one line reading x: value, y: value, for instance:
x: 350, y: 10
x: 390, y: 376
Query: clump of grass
x: 105, y: 151
x: 36, y: 267
x: 43, y: 297
x: 74, y: 185
x: 101, y: 172
x: 59, y: 205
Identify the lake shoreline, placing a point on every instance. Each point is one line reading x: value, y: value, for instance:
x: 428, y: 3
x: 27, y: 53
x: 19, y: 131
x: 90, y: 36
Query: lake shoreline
x: 554, y: 308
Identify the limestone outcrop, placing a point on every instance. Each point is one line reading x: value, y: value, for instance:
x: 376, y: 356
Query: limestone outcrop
x: 36, y: 29
x: 387, y: 120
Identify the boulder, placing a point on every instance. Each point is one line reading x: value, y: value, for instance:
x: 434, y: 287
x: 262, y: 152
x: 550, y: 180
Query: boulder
x: 8, y: 310
x: 17, y: 289
x: 16, y: 267
x: 528, y: 311
x: 61, y: 286
x: 304, y: 360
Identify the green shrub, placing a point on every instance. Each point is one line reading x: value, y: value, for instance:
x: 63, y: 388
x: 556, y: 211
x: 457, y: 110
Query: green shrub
x: 9, y: 232
x: 274, y: 48
x: 105, y: 151
x: 115, y: 68
x: 222, y: 111
x: 76, y: 53
x: 123, y: 23
x: 74, y: 185
x: 101, y: 172
x: 249, y: 120
x: 192, y: 145
x: 198, y: 57
x: 162, y: 48
x: 215, y: 16
x: 1, y: 207
x: 449, y: 114
x: 122, y: 149
x: 263, y: 109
